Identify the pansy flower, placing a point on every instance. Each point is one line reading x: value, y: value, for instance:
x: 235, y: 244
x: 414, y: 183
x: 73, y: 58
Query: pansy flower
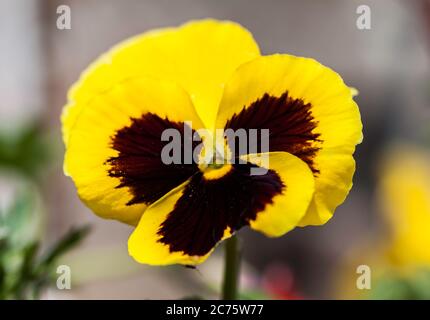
x: 208, y: 74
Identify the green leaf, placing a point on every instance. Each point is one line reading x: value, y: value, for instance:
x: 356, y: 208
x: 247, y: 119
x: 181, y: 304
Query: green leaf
x: 44, y: 268
x: 3, y: 248
x: 25, y: 274
x: 420, y: 283
x: 70, y: 240
x: 253, y: 295
x: 396, y: 287
x: 28, y: 151
x: 391, y: 288
x: 20, y: 221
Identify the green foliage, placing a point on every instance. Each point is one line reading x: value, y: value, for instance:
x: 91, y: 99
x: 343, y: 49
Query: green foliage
x: 254, y: 295
x: 24, y: 271
x: 415, y: 286
x: 27, y: 151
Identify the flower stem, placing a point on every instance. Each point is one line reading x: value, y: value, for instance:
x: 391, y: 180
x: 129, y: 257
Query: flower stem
x: 231, y: 269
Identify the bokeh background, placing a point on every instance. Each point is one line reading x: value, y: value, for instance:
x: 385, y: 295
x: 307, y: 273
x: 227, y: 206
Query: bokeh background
x: 384, y: 223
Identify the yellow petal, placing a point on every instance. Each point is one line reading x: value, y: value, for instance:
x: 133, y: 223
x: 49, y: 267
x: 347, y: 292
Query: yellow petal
x: 144, y: 244
x: 199, y: 55
x: 334, y: 120
x: 186, y: 225
x: 288, y: 208
x: 91, y: 144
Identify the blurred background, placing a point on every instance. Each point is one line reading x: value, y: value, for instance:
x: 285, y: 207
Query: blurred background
x: 383, y: 224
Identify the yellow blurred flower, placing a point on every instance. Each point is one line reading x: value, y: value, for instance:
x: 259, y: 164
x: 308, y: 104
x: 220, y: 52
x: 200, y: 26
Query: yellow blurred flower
x: 399, y: 255
x: 405, y: 203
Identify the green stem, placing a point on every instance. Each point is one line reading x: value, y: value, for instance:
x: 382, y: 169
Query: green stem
x: 231, y: 269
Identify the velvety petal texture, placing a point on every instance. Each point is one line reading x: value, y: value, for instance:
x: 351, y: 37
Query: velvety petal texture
x: 200, y: 56
x: 186, y: 224
x: 310, y: 113
x: 114, y: 151
x: 208, y: 75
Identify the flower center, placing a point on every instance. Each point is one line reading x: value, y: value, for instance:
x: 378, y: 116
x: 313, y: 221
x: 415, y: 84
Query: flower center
x: 214, y: 160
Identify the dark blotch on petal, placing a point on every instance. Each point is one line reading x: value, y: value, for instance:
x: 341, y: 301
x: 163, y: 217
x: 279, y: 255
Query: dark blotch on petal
x: 207, y: 207
x: 290, y: 123
x: 138, y: 164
